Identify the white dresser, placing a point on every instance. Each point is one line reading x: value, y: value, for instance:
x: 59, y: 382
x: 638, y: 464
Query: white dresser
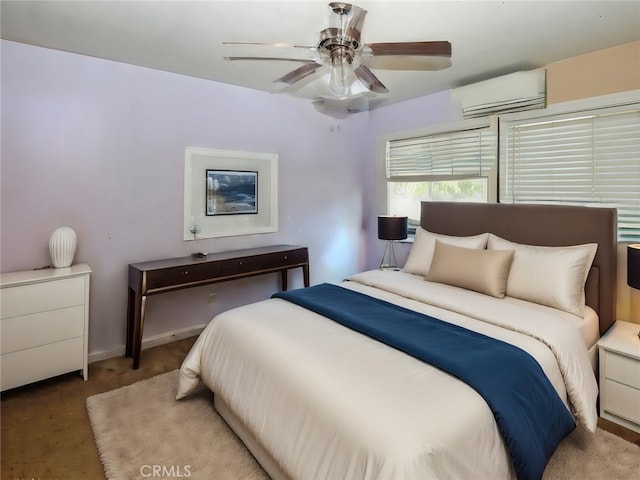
x: 44, y: 324
x: 619, y: 351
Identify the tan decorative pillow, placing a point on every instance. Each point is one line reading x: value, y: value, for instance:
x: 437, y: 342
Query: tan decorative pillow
x: 484, y: 271
x: 552, y: 276
x: 419, y: 259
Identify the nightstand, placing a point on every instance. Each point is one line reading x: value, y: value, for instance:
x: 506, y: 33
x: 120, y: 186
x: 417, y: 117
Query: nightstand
x: 619, y: 351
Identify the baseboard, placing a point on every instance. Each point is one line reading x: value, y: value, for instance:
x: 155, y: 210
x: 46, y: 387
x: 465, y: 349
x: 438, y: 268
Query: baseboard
x: 150, y: 342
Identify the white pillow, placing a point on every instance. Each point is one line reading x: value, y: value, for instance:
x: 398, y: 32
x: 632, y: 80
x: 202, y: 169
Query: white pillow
x: 552, y: 276
x: 421, y: 253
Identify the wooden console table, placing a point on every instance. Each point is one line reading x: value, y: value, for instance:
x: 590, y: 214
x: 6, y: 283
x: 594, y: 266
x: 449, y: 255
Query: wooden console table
x: 160, y: 276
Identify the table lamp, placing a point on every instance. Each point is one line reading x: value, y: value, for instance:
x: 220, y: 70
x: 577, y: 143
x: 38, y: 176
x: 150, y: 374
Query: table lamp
x: 633, y: 274
x: 391, y: 229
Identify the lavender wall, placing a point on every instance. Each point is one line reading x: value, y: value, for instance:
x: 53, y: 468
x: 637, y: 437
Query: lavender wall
x: 99, y: 146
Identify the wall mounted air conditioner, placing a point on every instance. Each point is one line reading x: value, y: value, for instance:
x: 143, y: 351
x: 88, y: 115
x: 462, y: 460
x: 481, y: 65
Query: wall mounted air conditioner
x: 515, y: 92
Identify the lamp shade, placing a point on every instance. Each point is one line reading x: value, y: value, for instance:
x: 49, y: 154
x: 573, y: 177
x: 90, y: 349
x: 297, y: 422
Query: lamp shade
x: 633, y: 266
x: 392, y: 228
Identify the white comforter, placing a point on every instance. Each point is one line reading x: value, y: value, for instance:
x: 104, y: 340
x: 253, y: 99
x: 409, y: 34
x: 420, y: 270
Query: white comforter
x: 327, y: 402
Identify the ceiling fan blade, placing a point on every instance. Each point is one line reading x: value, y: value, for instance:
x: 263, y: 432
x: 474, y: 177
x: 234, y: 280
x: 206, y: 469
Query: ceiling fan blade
x: 406, y: 62
x: 367, y: 77
x: 282, y: 59
x: 299, y: 73
x: 266, y: 44
x: 442, y: 49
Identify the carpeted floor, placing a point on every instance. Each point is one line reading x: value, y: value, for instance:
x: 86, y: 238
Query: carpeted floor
x: 140, y: 429
x: 46, y: 433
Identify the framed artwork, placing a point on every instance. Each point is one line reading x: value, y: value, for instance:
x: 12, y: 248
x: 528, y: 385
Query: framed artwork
x: 228, y: 193
x: 231, y: 192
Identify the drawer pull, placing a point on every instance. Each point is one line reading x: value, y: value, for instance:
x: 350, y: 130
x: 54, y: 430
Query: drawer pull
x: 186, y: 272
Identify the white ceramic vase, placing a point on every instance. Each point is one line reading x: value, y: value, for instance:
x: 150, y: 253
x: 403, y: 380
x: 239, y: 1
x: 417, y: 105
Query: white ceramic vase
x: 62, y: 247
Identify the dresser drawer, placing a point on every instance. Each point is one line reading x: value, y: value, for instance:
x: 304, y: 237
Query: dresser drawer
x: 33, y: 364
x: 622, y: 369
x: 27, y: 331
x: 40, y: 297
x: 622, y: 401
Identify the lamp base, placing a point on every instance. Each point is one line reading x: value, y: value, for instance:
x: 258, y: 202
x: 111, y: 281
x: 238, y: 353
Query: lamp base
x: 634, y: 307
x: 389, y: 261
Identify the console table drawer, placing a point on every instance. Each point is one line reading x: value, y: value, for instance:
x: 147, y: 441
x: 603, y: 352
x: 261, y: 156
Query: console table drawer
x: 236, y: 266
x: 294, y: 257
x: 267, y: 261
x: 182, y: 275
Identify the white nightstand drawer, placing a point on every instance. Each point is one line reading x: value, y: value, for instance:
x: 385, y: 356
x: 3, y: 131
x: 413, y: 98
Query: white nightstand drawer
x: 622, y: 401
x: 622, y: 369
x: 33, y: 364
x: 27, y: 331
x: 40, y: 297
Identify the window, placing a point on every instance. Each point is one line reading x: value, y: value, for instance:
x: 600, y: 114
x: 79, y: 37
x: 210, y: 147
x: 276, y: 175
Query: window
x: 453, y: 164
x: 581, y: 158
x: 404, y: 197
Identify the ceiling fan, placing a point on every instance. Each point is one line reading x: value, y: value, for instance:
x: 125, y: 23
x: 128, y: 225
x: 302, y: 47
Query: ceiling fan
x: 346, y: 62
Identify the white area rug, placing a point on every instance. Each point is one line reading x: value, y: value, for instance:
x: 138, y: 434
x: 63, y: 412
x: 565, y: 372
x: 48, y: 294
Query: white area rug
x: 142, y: 432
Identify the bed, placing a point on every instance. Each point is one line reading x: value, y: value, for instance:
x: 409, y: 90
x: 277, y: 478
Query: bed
x: 315, y: 397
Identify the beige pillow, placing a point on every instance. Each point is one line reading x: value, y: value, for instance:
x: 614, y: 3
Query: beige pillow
x: 421, y: 253
x: 485, y: 271
x: 552, y: 276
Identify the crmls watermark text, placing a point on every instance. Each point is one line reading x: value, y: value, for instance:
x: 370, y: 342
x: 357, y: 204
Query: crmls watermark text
x: 164, y: 471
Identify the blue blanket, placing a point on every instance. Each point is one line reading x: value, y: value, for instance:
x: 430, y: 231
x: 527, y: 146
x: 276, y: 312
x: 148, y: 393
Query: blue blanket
x: 529, y: 413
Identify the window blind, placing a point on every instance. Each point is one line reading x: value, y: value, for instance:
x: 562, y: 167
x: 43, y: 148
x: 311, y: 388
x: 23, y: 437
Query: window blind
x: 587, y: 158
x: 456, y: 154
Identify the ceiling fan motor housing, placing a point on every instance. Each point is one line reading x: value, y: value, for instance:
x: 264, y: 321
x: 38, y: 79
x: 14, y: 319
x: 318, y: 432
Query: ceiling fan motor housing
x: 338, y: 46
x: 340, y: 8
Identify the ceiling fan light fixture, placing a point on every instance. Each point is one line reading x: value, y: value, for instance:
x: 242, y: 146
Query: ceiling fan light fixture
x: 339, y: 72
x: 355, y: 88
x: 338, y: 81
x: 340, y: 66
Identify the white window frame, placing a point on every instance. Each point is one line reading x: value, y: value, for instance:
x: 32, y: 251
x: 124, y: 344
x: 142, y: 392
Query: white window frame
x: 618, y: 102
x: 382, y: 204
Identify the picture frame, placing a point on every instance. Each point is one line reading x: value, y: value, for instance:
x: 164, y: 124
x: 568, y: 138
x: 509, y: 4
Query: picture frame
x: 231, y: 192
x: 251, y: 183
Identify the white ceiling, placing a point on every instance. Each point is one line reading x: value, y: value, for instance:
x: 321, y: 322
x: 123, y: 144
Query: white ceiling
x: 489, y: 39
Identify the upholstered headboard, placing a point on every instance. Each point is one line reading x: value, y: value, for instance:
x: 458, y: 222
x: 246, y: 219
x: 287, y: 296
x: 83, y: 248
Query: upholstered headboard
x: 548, y: 225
